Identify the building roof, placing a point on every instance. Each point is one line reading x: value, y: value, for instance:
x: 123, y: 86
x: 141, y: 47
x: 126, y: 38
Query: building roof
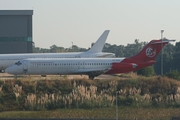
x: 16, y: 12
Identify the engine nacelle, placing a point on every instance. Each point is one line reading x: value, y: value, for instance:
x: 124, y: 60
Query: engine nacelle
x: 124, y: 67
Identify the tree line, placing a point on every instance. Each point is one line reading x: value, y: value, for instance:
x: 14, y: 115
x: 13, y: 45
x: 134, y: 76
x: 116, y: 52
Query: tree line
x: 171, y: 55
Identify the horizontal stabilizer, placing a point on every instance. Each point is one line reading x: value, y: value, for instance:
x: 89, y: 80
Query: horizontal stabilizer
x: 163, y: 41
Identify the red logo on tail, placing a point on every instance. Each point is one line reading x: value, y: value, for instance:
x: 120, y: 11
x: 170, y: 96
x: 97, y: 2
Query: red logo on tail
x: 150, y: 52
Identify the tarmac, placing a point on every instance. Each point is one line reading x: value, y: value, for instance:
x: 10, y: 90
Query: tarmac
x: 5, y: 76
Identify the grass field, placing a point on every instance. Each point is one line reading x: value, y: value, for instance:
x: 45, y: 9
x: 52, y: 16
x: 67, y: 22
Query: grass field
x: 123, y: 113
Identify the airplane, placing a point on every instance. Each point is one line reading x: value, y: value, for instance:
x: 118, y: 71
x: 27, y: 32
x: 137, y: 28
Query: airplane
x: 92, y: 67
x: 95, y: 51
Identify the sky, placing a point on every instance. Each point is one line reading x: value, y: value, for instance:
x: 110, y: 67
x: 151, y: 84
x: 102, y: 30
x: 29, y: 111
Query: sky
x: 81, y: 22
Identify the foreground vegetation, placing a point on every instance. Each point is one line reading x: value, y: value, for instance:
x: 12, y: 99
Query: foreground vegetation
x: 123, y: 112
x: 138, y: 97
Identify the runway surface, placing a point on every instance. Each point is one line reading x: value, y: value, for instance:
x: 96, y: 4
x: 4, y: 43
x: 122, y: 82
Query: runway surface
x: 5, y: 76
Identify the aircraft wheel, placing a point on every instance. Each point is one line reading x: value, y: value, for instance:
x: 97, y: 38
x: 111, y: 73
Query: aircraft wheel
x: 91, y: 77
x: 43, y: 75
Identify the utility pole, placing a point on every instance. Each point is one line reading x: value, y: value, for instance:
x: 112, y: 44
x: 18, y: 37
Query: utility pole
x: 162, y: 52
x: 72, y: 45
x: 116, y: 106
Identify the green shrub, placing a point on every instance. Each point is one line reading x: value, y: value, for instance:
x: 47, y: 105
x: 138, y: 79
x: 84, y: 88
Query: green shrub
x: 125, y: 101
x: 148, y: 71
x: 175, y: 74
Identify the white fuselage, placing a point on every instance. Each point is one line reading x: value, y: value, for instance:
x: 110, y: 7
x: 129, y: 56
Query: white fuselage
x: 62, y: 66
x: 9, y: 59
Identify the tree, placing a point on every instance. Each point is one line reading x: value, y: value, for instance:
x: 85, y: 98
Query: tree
x: 168, y: 57
x: 55, y: 49
x: 148, y: 71
x: 133, y: 49
x: 176, y: 57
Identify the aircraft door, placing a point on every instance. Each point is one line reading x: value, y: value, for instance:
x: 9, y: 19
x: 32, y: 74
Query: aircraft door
x: 25, y: 66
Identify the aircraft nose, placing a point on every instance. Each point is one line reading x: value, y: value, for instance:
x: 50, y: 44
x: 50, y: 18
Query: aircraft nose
x: 8, y: 70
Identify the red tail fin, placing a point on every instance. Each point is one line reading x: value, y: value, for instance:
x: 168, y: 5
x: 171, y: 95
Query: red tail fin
x: 143, y: 59
x: 151, y: 50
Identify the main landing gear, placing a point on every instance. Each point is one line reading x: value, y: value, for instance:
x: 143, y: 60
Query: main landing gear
x: 91, y: 77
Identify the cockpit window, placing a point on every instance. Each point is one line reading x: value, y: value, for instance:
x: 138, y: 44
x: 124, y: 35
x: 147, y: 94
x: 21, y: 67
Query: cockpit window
x: 18, y: 63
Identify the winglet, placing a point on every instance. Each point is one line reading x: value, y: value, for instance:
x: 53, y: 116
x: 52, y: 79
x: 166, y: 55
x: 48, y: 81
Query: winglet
x: 99, y: 44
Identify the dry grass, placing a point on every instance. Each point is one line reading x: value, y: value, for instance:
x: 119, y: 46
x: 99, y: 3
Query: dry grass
x: 162, y: 84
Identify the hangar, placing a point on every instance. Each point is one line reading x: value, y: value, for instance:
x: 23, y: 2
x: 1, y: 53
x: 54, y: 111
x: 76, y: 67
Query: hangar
x: 16, y: 31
